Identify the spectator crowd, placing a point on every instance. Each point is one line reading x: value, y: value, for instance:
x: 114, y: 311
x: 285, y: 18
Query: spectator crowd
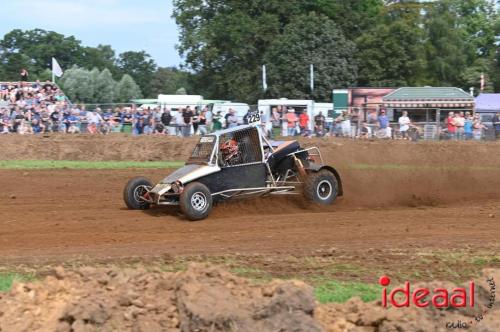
x: 35, y: 108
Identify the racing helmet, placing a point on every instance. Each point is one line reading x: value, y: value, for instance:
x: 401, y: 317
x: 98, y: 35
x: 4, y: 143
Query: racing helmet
x: 229, y: 149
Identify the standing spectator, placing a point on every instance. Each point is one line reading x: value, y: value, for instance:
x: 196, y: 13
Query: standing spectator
x: 149, y: 122
x: 187, y: 116
x: 196, y: 120
x: 217, y: 121
x: 127, y: 120
x: 372, y: 117
x: 478, y: 127
x: 166, y: 119
x: 383, y: 122
x: 202, y: 123
x: 404, y: 124
x: 24, y: 75
x: 55, y: 118
x: 232, y: 119
x: 468, y: 124
x: 496, y: 124
x: 304, y: 123
x: 94, y: 120
x: 319, y: 124
x: 276, y: 121
x: 66, y: 122
x: 139, y: 126
x: 83, y: 119
x: 459, y: 125
x: 74, y: 128
x: 291, y: 119
x: 451, y: 125
x: 346, y: 124
x: 246, y: 117
x: 366, y: 131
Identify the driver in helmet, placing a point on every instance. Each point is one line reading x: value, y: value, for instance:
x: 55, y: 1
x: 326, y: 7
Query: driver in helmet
x: 230, y: 152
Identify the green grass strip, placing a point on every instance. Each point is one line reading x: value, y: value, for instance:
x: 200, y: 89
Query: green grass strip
x: 76, y: 164
x: 7, y: 279
x: 340, y: 292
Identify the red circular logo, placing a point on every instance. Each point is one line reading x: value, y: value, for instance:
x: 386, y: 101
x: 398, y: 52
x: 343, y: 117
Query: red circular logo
x: 384, y: 280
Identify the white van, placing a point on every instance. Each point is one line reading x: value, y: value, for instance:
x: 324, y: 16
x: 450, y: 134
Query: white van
x: 175, y: 102
x: 299, y: 105
x: 240, y: 109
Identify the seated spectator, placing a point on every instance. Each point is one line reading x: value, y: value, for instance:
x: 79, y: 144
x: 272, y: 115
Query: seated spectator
x: 37, y: 127
x: 24, y: 128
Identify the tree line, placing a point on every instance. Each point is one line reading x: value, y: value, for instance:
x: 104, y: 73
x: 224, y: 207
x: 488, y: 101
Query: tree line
x: 371, y: 43
x: 92, y: 74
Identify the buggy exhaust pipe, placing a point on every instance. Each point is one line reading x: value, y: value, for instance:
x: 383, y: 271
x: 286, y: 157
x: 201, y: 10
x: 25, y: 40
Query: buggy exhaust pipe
x: 300, y: 168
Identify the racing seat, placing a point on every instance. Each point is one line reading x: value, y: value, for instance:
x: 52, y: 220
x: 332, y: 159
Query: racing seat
x: 281, y: 152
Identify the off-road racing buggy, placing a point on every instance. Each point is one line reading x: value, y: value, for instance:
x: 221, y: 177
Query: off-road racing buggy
x: 238, y: 163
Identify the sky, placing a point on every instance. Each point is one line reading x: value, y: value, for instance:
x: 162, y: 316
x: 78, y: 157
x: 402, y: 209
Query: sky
x: 126, y: 25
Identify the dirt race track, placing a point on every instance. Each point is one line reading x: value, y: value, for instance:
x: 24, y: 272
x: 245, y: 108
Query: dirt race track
x: 397, y: 196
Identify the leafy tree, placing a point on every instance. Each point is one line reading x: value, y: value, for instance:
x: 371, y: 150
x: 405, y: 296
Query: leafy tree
x: 104, y: 87
x: 101, y: 57
x: 224, y: 42
x: 39, y: 46
x: 45, y: 75
x: 141, y: 67
x: 477, y: 18
x: 13, y: 63
x: 181, y: 91
x: 446, y: 49
x: 127, y: 89
x: 311, y: 39
x: 391, y: 53
x: 352, y: 17
x: 77, y: 84
x: 169, y: 80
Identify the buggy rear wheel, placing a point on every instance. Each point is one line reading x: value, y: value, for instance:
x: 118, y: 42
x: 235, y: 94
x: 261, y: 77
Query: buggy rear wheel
x: 135, y: 189
x: 196, y: 201
x: 321, y: 187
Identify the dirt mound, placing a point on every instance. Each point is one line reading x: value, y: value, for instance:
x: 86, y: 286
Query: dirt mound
x: 202, y: 298
x: 96, y: 147
x: 356, y: 315
x: 205, y: 298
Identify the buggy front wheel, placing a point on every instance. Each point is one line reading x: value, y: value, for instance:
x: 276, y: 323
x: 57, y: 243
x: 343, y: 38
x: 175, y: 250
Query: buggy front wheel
x: 134, y: 192
x: 196, y: 201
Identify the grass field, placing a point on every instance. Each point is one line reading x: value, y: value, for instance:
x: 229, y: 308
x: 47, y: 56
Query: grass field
x: 75, y: 164
x: 6, y: 279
